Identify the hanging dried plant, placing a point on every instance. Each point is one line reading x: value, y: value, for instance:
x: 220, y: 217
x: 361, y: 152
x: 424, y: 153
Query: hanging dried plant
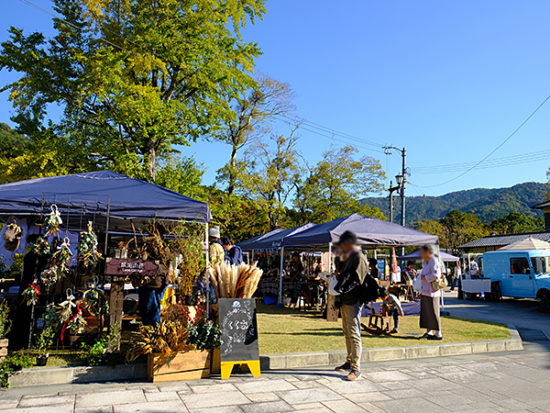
x: 88, y: 253
x: 49, y: 276
x: 61, y: 257
x: 40, y: 247
x: 53, y: 221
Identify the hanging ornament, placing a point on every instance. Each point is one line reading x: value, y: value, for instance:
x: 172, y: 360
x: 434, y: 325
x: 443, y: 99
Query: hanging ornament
x: 88, y: 253
x: 12, y: 236
x: 95, y: 300
x: 40, y: 247
x: 65, y: 309
x: 49, y: 276
x: 31, y: 293
x: 51, y: 320
x: 61, y: 257
x: 53, y: 221
x: 77, y: 322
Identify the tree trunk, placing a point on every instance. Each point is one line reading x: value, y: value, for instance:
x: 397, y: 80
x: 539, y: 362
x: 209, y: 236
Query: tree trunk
x: 151, y: 159
x: 232, y: 171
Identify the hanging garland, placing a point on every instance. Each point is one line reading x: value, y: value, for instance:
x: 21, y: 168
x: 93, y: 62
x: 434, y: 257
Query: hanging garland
x: 95, y: 300
x: 40, y: 247
x: 88, y: 253
x: 49, y: 276
x: 53, y: 221
x: 61, y: 257
x: 31, y: 293
x: 65, y: 309
x: 77, y: 322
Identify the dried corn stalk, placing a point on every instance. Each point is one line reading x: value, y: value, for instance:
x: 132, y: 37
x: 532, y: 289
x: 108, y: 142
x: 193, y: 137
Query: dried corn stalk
x: 232, y: 281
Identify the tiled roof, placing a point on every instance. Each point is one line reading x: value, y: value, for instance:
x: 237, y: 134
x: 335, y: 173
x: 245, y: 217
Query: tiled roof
x: 541, y: 205
x: 502, y: 240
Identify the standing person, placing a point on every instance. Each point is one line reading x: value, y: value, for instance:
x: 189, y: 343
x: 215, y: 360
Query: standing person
x: 429, y: 300
x: 233, y: 253
x: 353, y: 269
x: 374, y: 270
x: 409, y: 273
x: 215, y: 249
x: 456, y: 276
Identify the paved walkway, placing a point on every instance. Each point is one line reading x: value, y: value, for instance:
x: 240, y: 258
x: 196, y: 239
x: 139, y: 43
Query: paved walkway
x: 515, y: 382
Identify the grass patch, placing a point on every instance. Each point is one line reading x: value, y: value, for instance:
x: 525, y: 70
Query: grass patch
x: 282, y: 330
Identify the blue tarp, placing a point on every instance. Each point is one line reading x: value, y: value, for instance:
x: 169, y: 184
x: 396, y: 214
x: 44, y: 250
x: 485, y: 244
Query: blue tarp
x: 277, y: 240
x: 369, y: 231
x: 415, y: 256
x: 95, y: 192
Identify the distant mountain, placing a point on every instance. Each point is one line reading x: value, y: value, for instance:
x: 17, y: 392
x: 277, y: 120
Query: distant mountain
x: 488, y: 204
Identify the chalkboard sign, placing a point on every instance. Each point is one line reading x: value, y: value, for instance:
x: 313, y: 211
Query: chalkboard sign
x: 239, y: 329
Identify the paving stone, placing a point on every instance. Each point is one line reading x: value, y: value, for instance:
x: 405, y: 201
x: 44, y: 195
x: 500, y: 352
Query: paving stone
x: 373, y: 396
x: 201, y: 389
x: 175, y: 386
x: 309, y: 395
x: 358, y: 386
x: 385, y: 354
x: 175, y: 406
x: 343, y: 406
x: 33, y: 401
x: 58, y: 408
x: 224, y: 409
x: 109, y: 398
x: 385, y: 376
x: 412, y: 405
x: 227, y: 398
x: 105, y: 409
x: 405, y: 393
x: 308, y: 406
x: 267, y: 407
x: 162, y: 396
x: 261, y: 386
x: 262, y: 397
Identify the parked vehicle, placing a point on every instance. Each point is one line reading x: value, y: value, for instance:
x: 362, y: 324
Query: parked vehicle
x: 514, y: 273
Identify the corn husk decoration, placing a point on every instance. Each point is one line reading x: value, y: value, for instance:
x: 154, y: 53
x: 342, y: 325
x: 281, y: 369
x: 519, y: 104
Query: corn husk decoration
x: 41, y: 246
x: 232, y: 281
x: 77, y: 323
x: 61, y: 257
x: 49, y: 276
x: 88, y: 254
x: 95, y: 300
x: 65, y: 309
x: 53, y: 221
x: 31, y: 293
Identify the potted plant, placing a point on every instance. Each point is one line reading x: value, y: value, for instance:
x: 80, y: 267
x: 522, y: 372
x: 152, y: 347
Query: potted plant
x: 41, y: 342
x: 5, y: 326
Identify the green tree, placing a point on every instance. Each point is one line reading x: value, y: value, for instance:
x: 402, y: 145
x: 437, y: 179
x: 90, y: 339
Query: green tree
x: 135, y: 79
x: 516, y: 222
x: 250, y: 121
x: 460, y: 228
x: 432, y: 227
x: 336, y: 184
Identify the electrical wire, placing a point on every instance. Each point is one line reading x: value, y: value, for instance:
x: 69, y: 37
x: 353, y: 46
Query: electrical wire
x: 500, y: 145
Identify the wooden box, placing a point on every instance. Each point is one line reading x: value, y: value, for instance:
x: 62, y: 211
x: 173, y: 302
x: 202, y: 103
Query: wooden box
x: 190, y: 365
x: 3, y: 348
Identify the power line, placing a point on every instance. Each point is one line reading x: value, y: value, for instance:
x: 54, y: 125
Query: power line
x: 500, y: 145
x: 492, y: 163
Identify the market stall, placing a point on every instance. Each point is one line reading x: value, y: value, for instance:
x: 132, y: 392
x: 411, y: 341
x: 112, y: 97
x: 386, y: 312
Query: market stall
x: 415, y: 256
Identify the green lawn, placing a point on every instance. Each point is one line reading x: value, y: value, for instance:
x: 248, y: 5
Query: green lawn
x: 283, y: 330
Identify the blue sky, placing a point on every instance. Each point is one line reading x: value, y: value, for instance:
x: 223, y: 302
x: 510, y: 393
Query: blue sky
x: 447, y: 80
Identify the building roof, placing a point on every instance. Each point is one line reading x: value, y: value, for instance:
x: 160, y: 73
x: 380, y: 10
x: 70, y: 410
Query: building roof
x: 529, y: 243
x: 542, y: 205
x: 502, y: 240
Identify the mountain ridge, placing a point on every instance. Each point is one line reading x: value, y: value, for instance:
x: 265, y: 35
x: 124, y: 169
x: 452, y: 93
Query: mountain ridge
x: 487, y: 203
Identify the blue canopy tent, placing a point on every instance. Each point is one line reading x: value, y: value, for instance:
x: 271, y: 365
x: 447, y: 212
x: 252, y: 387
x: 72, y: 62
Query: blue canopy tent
x: 276, y: 240
x: 415, y: 256
x: 250, y: 244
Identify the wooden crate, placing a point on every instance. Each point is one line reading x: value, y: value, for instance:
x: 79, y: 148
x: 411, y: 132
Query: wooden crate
x: 190, y: 365
x: 3, y: 348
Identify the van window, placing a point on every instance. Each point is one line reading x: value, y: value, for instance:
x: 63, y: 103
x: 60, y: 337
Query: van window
x: 519, y: 266
x: 540, y: 265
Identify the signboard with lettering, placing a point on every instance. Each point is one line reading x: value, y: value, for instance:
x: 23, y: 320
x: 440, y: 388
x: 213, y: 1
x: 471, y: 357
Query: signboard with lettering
x: 239, y: 330
x: 124, y: 267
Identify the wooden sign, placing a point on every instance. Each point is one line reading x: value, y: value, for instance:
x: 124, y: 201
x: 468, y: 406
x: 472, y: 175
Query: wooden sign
x: 239, y: 335
x: 124, y: 267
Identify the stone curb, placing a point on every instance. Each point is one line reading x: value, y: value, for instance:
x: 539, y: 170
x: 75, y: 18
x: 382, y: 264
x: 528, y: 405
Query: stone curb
x: 335, y: 357
x: 39, y: 376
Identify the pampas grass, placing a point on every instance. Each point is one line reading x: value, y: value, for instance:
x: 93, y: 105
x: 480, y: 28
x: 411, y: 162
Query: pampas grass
x: 232, y: 281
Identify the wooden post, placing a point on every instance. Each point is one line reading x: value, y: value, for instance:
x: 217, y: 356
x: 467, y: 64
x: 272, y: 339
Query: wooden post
x: 116, y: 299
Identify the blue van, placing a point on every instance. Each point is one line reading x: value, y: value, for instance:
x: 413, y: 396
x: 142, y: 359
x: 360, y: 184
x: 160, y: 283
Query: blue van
x: 520, y: 273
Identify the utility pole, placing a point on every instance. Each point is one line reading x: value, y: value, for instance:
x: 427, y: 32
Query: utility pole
x: 391, y: 190
x: 403, y: 151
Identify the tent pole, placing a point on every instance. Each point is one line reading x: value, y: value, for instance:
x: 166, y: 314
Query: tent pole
x: 207, y: 259
x: 330, y: 257
x: 281, y: 276
x: 106, y: 250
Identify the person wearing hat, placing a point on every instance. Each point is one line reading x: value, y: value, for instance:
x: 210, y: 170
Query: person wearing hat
x: 215, y: 249
x: 353, y: 268
x: 429, y: 299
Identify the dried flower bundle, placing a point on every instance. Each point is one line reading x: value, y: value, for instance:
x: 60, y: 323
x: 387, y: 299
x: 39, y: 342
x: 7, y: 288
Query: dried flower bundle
x: 232, y: 281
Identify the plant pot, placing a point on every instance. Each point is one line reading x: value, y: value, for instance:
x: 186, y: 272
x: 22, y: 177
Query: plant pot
x: 41, y: 360
x: 3, y: 348
x: 190, y: 365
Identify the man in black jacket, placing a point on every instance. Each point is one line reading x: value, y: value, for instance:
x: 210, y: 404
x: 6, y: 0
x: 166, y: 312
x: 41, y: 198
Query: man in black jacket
x: 353, y: 269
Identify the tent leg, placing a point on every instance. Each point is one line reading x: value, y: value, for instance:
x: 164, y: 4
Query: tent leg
x: 281, y: 276
x: 207, y: 259
x: 330, y: 257
x: 107, y: 227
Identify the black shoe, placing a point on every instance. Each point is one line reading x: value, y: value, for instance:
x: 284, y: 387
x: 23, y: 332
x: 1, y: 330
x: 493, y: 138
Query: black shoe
x: 432, y: 337
x: 426, y: 335
x: 345, y: 366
